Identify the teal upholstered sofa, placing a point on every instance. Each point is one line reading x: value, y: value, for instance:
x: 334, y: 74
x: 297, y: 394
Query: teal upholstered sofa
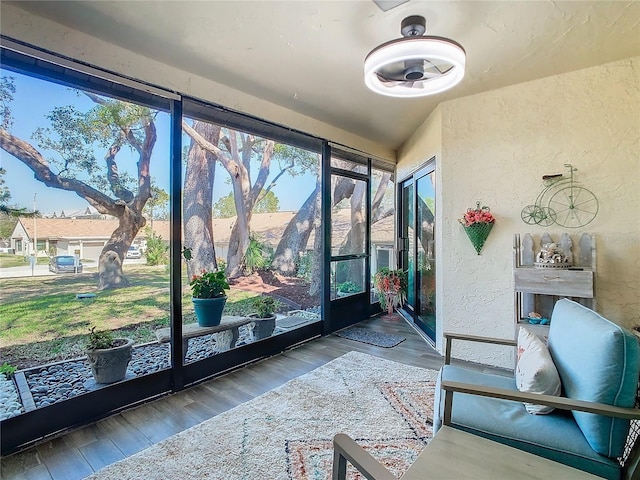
x: 598, y: 363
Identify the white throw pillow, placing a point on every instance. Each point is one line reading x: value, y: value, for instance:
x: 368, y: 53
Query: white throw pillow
x: 535, y: 371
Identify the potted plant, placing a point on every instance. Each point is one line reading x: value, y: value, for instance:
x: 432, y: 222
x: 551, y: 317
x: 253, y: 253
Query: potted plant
x: 108, y: 357
x: 265, y: 318
x: 209, y: 297
x: 391, y: 286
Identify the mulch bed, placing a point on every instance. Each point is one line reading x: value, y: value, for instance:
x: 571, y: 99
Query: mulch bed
x: 292, y: 291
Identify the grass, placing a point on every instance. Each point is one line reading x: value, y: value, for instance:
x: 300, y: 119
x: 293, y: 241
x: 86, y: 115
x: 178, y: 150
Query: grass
x: 41, y: 321
x: 8, y: 260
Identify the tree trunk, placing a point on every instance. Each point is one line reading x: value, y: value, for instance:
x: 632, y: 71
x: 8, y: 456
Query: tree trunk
x: 237, y: 162
x: 245, y: 196
x: 240, y: 233
x: 296, y: 235
x: 198, y: 199
x: 110, y: 264
x: 317, y: 268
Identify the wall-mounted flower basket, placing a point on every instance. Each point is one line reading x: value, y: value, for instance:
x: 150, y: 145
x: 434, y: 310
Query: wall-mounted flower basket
x: 477, y: 224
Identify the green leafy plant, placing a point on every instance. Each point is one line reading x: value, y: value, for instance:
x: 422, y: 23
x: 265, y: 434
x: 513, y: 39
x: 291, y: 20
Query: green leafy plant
x: 265, y: 306
x: 99, y: 340
x: 304, y: 266
x: 348, y: 287
x: 7, y: 369
x: 257, y: 256
x: 157, y: 251
x: 209, y: 284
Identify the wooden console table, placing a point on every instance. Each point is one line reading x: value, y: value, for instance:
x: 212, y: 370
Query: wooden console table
x: 226, y: 333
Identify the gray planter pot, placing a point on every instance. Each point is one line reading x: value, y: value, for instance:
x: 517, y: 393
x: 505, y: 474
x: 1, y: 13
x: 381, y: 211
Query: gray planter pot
x: 109, y: 365
x: 261, y: 327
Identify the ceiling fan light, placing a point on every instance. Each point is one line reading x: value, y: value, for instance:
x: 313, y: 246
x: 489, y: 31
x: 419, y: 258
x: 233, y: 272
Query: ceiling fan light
x: 420, y: 48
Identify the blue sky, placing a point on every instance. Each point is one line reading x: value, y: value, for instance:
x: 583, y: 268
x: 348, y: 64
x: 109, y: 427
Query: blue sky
x: 35, y: 98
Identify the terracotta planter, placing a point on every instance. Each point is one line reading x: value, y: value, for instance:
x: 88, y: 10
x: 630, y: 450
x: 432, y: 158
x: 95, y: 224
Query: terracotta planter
x: 109, y: 365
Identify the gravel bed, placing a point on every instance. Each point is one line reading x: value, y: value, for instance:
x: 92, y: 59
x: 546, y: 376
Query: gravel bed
x: 60, y: 381
x: 10, y: 404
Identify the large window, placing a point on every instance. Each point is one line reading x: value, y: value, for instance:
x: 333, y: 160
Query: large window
x: 87, y: 176
x: 122, y: 193
x: 250, y: 210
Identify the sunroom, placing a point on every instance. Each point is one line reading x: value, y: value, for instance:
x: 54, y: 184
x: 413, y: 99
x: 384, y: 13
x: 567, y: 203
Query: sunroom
x: 241, y: 136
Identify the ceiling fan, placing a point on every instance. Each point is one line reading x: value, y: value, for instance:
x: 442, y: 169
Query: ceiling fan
x: 416, y: 64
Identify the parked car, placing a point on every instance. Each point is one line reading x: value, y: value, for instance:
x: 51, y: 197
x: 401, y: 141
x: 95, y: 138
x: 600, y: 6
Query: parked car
x: 133, y: 252
x: 65, y: 264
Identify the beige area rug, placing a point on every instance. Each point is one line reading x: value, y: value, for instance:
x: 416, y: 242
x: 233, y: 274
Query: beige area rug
x: 287, y: 433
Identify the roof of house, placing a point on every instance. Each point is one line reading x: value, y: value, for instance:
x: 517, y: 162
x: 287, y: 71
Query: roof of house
x: 269, y: 227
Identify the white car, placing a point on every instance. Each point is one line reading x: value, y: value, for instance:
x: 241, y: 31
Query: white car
x: 133, y: 252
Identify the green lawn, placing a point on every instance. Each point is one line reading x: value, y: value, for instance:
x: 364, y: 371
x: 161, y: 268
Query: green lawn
x: 42, y: 321
x: 8, y: 260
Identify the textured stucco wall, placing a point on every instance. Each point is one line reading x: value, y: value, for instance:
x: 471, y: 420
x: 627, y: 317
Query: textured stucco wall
x: 21, y: 25
x: 495, y: 148
x: 424, y: 144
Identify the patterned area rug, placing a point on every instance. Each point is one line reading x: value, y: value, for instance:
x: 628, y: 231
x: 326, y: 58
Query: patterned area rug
x: 287, y: 432
x: 364, y: 335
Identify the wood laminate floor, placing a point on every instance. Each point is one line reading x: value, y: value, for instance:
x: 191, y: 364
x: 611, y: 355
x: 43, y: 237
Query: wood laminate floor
x: 79, y: 453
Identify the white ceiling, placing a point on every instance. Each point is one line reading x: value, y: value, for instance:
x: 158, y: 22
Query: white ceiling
x: 308, y: 55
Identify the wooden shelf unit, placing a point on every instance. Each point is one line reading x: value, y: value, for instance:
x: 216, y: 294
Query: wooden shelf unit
x: 538, y: 289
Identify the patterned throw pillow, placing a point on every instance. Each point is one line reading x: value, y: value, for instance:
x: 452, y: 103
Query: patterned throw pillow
x: 535, y: 371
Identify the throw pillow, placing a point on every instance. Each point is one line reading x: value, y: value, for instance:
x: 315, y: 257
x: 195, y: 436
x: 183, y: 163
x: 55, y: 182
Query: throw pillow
x: 535, y: 371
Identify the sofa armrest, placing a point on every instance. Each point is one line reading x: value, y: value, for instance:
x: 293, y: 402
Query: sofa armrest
x: 563, y: 403
x: 345, y: 449
x: 449, y: 337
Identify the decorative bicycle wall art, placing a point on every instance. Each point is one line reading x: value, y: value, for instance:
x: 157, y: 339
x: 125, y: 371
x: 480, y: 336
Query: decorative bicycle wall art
x: 562, y: 201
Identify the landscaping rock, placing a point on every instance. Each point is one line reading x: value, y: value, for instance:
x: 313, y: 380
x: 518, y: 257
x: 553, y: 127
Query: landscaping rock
x: 10, y: 404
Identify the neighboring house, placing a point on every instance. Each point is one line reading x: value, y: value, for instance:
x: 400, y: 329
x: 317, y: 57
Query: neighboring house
x: 62, y: 236
x: 87, y: 213
x: 87, y: 237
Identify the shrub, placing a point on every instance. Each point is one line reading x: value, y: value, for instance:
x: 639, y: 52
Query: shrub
x: 305, y: 266
x: 348, y: 287
x: 157, y: 251
x: 257, y: 257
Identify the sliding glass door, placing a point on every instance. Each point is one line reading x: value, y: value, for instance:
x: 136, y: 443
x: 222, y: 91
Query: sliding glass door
x: 417, y: 247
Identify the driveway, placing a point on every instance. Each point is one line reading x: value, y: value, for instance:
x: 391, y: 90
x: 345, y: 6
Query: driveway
x: 43, y: 270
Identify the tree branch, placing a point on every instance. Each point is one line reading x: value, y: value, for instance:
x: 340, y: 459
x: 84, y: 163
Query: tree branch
x: 266, y: 191
x: 37, y: 163
x: 219, y: 155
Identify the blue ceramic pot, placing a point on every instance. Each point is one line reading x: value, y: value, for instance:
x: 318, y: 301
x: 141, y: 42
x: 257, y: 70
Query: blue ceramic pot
x: 209, y: 310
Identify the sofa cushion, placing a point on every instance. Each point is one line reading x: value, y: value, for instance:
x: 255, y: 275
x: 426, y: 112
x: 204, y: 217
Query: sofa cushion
x: 555, y: 436
x: 535, y: 371
x: 598, y: 361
